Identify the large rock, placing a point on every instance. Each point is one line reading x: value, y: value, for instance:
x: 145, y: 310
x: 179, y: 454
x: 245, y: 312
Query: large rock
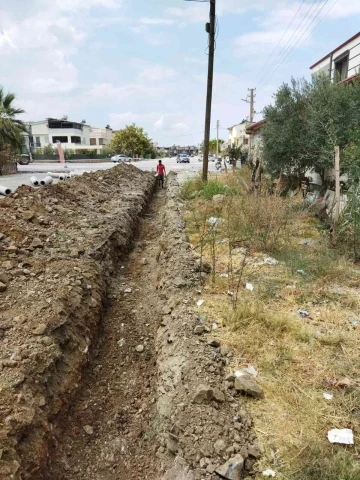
x: 204, y: 394
x: 232, y: 469
x: 246, y: 385
x: 203, y: 266
x: 218, y: 199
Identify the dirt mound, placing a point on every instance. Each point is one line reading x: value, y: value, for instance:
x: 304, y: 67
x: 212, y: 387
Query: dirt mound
x: 58, y: 249
x: 204, y: 422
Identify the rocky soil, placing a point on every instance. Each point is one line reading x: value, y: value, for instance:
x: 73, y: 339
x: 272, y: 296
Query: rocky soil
x: 156, y: 399
x: 59, y: 248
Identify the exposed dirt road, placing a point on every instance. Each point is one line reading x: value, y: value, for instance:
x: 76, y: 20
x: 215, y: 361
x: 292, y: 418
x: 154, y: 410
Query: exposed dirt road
x: 108, y: 431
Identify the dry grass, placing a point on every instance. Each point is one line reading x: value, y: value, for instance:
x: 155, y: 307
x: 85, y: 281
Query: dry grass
x: 298, y: 359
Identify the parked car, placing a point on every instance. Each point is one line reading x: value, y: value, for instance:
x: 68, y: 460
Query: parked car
x: 120, y: 158
x: 183, y: 158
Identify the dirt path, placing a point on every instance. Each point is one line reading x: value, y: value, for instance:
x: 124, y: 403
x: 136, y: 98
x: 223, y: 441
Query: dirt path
x: 107, y: 434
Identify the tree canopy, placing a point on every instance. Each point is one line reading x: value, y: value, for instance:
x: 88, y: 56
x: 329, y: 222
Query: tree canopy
x: 11, y: 128
x: 212, y: 145
x: 305, y: 123
x: 132, y: 140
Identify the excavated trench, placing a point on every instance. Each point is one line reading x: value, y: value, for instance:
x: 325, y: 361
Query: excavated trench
x: 101, y: 374
x: 108, y: 430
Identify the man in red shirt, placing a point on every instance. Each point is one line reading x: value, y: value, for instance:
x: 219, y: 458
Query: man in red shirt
x: 160, y: 169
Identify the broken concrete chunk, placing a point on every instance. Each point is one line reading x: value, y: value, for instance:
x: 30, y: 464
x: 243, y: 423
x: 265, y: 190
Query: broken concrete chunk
x: 213, y: 342
x: 172, y: 444
x: 88, y: 429
x: 203, y: 266
x: 40, y: 329
x: 204, y: 394
x: 218, y: 396
x: 219, y: 446
x: 179, y: 282
x: 199, y: 329
x: 246, y: 385
x: 232, y: 469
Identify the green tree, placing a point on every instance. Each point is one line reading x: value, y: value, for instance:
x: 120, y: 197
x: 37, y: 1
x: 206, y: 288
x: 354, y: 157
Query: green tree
x: 212, y: 145
x: 132, y: 140
x: 11, y: 128
x: 49, y: 150
x: 305, y: 123
x: 235, y: 153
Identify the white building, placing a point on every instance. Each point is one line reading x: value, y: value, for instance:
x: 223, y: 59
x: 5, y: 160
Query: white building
x: 72, y: 135
x: 341, y: 64
x: 238, y: 135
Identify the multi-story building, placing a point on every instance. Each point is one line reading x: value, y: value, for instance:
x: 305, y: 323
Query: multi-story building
x: 72, y: 135
x: 177, y: 149
x: 238, y: 136
x: 343, y: 63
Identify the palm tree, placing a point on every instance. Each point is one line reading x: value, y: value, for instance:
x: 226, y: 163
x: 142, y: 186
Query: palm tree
x: 11, y: 129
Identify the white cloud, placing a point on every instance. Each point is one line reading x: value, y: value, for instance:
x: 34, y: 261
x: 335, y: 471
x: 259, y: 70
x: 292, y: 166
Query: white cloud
x: 156, y: 73
x: 156, y: 21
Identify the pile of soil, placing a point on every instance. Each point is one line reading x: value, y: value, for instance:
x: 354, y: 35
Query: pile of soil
x: 58, y: 250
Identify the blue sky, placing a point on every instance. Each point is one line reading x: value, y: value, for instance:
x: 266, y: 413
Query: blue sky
x: 122, y: 61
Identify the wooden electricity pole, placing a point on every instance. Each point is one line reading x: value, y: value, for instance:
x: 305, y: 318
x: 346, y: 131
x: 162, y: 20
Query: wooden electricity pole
x: 337, y: 188
x: 217, y: 139
x: 210, y: 28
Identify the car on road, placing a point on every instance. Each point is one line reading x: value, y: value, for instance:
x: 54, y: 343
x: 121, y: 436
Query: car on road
x: 183, y: 158
x: 120, y: 158
x: 212, y: 157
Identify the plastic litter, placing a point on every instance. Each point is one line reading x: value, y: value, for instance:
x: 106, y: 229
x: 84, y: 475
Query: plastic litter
x: 202, y: 320
x: 269, y: 473
x: 344, y: 436
x: 231, y: 294
x: 304, y: 313
x: 249, y: 286
x: 301, y: 272
x: 215, y: 326
x: 214, y: 220
x: 250, y: 369
x: 355, y: 322
x: 270, y: 261
x: 127, y: 290
x: 200, y: 302
x: 328, y: 396
x: 224, y: 275
x: 242, y: 250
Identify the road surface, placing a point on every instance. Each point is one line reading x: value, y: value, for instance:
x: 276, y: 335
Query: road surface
x: 40, y: 169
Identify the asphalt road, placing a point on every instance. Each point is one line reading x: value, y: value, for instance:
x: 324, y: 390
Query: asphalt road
x: 184, y: 170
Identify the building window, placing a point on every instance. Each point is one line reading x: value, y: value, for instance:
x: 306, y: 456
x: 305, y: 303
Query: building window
x: 245, y: 141
x: 37, y: 142
x: 102, y: 141
x: 46, y: 139
x: 341, y: 66
x: 75, y: 139
x: 92, y: 141
x: 60, y: 139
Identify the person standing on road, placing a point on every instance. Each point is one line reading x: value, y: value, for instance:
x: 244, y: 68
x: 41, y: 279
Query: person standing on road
x: 161, y: 171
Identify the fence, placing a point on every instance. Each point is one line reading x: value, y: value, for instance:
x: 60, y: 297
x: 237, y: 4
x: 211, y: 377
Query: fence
x: 72, y: 158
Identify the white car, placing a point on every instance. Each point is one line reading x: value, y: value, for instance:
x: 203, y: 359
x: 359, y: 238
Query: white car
x: 183, y: 158
x: 120, y: 158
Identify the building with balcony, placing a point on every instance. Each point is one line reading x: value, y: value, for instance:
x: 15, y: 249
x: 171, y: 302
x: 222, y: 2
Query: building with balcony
x: 238, y: 136
x: 343, y: 63
x: 72, y: 135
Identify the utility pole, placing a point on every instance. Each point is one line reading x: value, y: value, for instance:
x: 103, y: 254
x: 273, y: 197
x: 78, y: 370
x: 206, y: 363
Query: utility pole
x: 337, y: 189
x: 217, y: 139
x: 251, y: 116
x: 210, y: 28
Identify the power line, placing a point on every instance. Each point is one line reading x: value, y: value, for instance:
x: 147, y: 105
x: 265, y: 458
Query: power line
x: 283, y: 35
x: 288, y: 43
x: 298, y: 40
